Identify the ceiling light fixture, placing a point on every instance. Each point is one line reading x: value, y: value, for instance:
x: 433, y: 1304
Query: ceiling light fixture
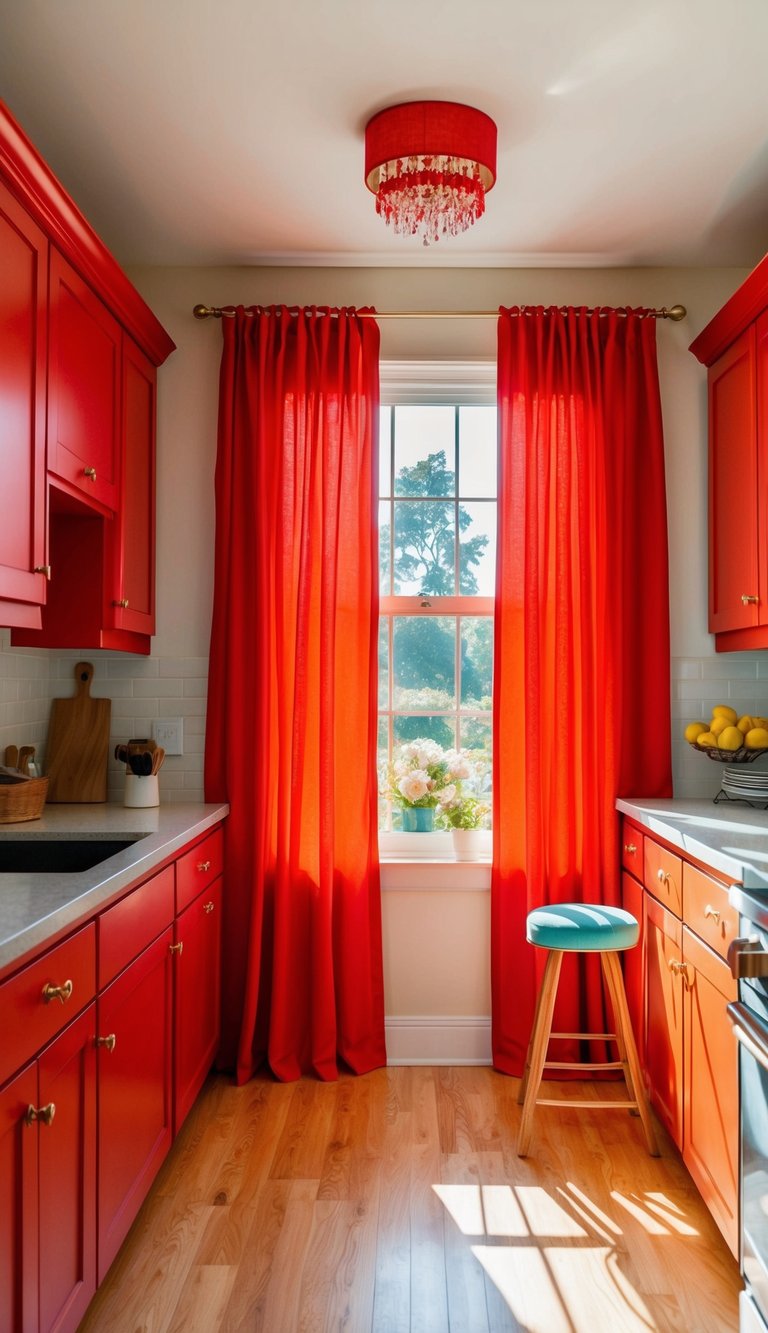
x: 430, y: 165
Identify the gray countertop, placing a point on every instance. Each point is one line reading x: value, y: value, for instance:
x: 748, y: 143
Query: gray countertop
x: 36, y: 908
x: 730, y: 838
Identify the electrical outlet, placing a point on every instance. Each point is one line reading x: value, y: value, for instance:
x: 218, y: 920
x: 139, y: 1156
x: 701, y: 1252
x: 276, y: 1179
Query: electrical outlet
x: 169, y: 733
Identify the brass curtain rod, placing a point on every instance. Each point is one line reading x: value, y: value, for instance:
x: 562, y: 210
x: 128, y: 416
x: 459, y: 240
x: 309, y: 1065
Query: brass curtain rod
x: 675, y: 312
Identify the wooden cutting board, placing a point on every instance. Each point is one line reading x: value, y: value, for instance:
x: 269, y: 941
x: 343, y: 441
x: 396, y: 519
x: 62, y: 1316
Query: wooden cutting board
x: 78, y: 743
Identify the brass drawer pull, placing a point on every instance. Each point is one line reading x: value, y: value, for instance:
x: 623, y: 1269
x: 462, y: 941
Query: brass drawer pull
x: 208, y: 907
x: 746, y: 598
x: 176, y: 948
x: 662, y: 876
x: 123, y: 602
x: 109, y: 1043
x: 675, y: 966
x: 44, y: 1114
x: 630, y: 848
x: 203, y: 865
x: 711, y: 912
x: 62, y: 993
x: 90, y: 473
x: 43, y: 569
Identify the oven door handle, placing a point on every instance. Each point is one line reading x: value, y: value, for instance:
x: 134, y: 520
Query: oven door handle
x: 750, y: 1033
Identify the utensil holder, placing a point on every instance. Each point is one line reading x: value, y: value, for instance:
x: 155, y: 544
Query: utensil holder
x: 141, y: 792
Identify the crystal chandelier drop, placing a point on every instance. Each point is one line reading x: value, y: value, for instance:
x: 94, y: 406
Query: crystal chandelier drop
x: 430, y: 166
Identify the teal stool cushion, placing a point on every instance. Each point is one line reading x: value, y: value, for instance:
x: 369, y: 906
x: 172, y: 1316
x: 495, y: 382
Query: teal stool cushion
x: 582, y: 927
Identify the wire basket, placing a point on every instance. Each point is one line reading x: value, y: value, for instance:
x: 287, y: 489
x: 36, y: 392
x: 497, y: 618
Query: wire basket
x: 741, y: 756
x: 21, y: 798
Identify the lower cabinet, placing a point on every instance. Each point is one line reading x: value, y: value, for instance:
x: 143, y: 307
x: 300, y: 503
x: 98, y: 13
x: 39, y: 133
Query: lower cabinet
x: 88, y: 1117
x: 689, y: 1053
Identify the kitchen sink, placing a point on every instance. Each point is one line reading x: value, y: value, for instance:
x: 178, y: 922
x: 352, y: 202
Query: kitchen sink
x: 22, y: 856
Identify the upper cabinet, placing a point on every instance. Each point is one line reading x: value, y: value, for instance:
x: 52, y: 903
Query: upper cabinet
x: 734, y: 348
x: 79, y: 351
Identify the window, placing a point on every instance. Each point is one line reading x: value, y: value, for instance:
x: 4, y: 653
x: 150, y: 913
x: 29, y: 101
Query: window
x: 437, y: 529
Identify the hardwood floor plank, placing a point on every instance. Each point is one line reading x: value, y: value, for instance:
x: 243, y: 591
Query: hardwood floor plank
x: 391, y: 1233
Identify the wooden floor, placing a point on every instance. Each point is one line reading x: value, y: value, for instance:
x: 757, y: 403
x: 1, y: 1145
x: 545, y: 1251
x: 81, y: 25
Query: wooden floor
x: 396, y: 1202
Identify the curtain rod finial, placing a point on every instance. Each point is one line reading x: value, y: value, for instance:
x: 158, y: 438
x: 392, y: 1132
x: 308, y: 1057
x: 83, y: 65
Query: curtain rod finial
x: 676, y: 312
x: 202, y: 312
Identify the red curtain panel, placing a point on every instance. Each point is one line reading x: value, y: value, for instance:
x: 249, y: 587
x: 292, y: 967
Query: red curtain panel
x: 581, y: 668
x: 291, y: 729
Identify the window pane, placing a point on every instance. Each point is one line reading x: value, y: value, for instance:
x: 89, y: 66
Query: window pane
x: 383, y: 663
x: 440, y: 729
x: 385, y: 451
x: 424, y: 548
x: 477, y: 451
x: 382, y: 763
x: 476, y: 662
x: 477, y: 548
x: 425, y: 451
x: 425, y: 662
x: 385, y: 518
x: 476, y: 744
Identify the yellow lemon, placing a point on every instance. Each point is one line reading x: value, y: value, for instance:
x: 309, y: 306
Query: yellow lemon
x: 695, y: 729
x: 746, y: 723
x: 731, y: 739
x: 719, y: 724
x: 756, y: 739
x: 761, y: 722
x: 706, y: 740
x: 723, y: 710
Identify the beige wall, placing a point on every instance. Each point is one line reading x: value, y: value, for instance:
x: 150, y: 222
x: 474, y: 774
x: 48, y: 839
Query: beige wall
x: 422, y: 979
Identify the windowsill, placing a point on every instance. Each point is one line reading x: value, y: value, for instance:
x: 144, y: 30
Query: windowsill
x: 425, y: 861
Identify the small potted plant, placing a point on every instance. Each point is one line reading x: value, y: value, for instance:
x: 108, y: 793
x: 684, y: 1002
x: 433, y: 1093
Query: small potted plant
x: 465, y: 816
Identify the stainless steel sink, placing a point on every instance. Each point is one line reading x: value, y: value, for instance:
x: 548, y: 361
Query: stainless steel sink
x: 21, y: 856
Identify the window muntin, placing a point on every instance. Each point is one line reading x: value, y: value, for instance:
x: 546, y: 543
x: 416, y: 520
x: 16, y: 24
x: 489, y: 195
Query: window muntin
x: 437, y: 479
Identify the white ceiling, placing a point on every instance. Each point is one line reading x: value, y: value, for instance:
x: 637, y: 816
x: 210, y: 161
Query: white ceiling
x: 206, y: 132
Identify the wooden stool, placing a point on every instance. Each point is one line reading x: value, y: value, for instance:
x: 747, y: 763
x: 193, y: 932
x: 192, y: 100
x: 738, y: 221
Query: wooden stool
x: 582, y: 928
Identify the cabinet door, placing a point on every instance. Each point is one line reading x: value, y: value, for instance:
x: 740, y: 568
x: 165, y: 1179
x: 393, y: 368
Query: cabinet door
x: 131, y: 590
x: 711, y: 1083
x: 18, y: 1205
x: 23, y: 335
x: 733, y: 501
x: 67, y: 1157
x: 664, y: 1015
x: 633, y: 961
x: 134, y: 1057
x: 197, y: 985
x: 83, y: 388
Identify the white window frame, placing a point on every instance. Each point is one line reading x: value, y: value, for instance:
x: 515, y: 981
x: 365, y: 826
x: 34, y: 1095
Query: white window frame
x: 435, y: 383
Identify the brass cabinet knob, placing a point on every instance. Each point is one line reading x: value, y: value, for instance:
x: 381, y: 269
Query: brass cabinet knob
x: 44, y: 1114
x: 89, y: 472
x: 675, y: 966
x: 57, y: 992
x: 203, y: 865
x: 711, y: 912
x: 109, y: 1043
x: 208, y: 907
x: 747, y: 597
x: 662, y: 876
x: 123, y: 602
x: 630, y: 848
x: 176, y: 948
x: 43, y: 569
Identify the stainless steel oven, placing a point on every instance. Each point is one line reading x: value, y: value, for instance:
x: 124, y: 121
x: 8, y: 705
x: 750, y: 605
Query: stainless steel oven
x: 748, y: 957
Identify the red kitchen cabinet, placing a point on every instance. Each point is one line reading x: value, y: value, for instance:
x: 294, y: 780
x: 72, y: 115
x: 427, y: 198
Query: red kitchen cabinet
x: 84, y: 388
x: 711, y: 1081
x: 23, y: 349
x: 19, y: 1264
x: 130, y: 592
x: 197, y: 983
x: 135, y: 1090
x: 664, y: 1015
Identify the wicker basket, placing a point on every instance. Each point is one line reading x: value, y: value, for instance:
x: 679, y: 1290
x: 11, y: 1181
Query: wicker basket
x: 21, y: 798
x: 740, y: 756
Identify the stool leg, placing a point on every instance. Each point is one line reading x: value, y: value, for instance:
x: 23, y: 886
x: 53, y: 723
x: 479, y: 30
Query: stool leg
x: 627, y: 1048
x: 538, y: 1048
x: 527, y: 1071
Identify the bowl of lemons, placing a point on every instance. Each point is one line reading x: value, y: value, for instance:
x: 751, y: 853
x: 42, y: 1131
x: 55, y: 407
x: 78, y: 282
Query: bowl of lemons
x: 728, y: 738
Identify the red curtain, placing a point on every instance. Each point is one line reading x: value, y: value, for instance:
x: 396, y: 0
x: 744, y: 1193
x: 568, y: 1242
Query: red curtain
x: 291, y: 730
x: 581, y: 667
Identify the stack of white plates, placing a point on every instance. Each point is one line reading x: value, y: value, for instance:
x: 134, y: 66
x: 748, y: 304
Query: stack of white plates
x: 746, y: 783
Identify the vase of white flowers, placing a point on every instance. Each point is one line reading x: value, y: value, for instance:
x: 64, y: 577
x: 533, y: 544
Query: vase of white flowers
x: 422, y: 779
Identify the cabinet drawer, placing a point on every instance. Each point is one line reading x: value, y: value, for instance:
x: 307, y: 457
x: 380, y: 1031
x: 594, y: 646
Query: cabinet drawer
x: 27, y: 1019
x: 632, y: 850
x: 701, y: 960
x: 663, y: 875
x: 198, y: 867
x: 133, y: 923
x: 706, y: 910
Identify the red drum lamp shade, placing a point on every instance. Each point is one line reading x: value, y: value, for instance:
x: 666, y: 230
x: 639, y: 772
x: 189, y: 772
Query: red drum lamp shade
x: 430, y: 166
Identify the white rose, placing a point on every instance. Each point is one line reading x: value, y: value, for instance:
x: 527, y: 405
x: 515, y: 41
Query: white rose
x: 447, y: 794
x: 414, y: 785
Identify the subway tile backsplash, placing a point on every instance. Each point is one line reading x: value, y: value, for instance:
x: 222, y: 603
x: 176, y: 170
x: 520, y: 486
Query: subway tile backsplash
x: 141, y: 688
